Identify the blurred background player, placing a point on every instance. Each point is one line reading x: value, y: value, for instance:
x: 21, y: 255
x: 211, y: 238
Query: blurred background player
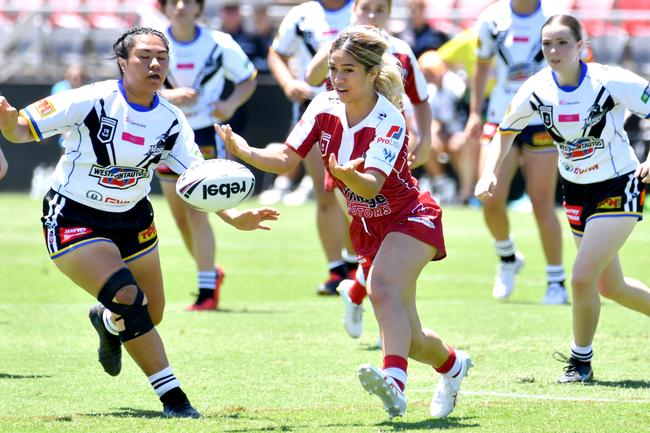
x: 303, y: 30
x: 419, y: 34
x: 201, y: 61
x: 509, y: 30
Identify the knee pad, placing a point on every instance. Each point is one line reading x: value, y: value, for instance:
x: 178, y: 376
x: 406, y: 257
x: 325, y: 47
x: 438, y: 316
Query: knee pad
x: 135, y: 317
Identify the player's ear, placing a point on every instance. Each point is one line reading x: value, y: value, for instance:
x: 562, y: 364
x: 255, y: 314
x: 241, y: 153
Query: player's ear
x: 122, y: 63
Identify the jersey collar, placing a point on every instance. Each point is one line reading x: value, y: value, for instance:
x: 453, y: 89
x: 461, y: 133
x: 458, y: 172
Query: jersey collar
x: 583, y: 72
x: 137, y: 107
x: 334, y: 10
x: 539, y: 6
x: 197, y: 34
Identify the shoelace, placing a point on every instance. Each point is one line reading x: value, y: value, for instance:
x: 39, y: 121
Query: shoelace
x: 561, y: 357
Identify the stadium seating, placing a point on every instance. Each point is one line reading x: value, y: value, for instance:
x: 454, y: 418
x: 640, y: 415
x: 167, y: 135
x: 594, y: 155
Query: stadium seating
x: 609, y: 46
x: 633, y: 26
x: 470, y: 9
x: 593, y: 14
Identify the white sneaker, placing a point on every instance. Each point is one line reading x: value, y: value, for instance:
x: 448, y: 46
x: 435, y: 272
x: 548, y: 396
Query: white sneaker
x: 384, y: 387
x: 504, y: 281
x: 301, y: 194
x: 281, y: 186
x: 444, y: 397
x: 353, y: 315
x: 555, y: 295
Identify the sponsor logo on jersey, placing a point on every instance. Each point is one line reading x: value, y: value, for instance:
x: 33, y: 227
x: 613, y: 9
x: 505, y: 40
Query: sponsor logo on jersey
x: 118, y: 177
x: 645, y: 96
x: 366, y: 207
x: 44, y: 108
x: 395, y: 132
x: 224, y: 189
x: 106, y: 129
x: 516, y: 38
x: 69, y: 233
x: 596, y: 113
x: 133, y: 122
x: 565, y: 102
x: 185, y: 66
x: 392, y: 138
x: 133, y: 138
x: 610, y: 203
x: 94, y: 195
x: 389, y: 156
x: 581, y: 148
x: 580, y: 171
x: 521, y: 72
x: 148, y: 234
x: 573, y: 213
x: 113, y: 200
x: 563, y: 118
x: 324, y: 142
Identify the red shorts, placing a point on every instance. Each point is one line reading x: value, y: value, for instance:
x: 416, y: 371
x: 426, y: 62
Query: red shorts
x: 424, y: 224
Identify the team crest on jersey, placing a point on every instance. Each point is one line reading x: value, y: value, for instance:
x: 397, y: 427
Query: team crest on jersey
x: 646, y: 94
x: 106, y: 129
x: 596, y: 114
x: 44, y: 108
x: 546, y: 111
x: 581, y: 148
x: 324, y: 142
x: 118, y: 177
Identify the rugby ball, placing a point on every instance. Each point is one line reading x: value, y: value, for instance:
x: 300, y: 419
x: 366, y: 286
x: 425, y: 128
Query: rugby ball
x: 215, y: 184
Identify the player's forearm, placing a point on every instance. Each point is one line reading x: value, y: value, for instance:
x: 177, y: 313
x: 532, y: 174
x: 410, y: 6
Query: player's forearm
x: 279, y: 68
x: 242, y: 92
x: 366, y: 185
x: 477, y: 89
x: 497, y: 150
x: 18, y: 132
x: 271, y: 160
x: 317, y: 68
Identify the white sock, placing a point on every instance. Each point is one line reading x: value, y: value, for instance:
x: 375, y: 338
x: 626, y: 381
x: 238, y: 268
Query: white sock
x: 505, y: 248
x: 583, y: 354
x: 207, y: 279
x: 163, y: 381
x: 109, y: 324
x: 555, y: 274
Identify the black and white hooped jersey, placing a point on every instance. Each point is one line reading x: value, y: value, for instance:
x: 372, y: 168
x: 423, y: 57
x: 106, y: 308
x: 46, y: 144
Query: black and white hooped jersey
x: 204, y: 64
x: 586, y: 121
x: 113, y: 147
x: 515, y: 41
x: 305, y: 28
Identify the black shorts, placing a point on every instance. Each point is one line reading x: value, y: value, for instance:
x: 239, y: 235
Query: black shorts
x: 210, y: 145
x: 621, y: 196
x: 68, y: 225
x: 532, y: 138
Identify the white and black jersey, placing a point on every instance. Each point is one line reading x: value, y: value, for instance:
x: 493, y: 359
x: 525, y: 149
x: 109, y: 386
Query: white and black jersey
x: 204, y: 64
x: 305, y: 28
x: 515, y: 41
x: 585, y: 121
x: 113, y: 146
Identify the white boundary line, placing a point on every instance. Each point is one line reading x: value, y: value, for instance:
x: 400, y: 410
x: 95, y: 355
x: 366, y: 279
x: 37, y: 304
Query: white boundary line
x: 514, y: 395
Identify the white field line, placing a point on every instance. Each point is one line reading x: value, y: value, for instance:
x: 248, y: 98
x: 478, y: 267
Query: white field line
x: 519, y: 396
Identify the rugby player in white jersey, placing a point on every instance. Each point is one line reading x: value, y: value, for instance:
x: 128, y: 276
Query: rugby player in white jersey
x: 583, y: 107
x: 509, y: 30
x: 97, y: 219
x: 359, y: 132
x: 303, y: 30
x: 201, y: 60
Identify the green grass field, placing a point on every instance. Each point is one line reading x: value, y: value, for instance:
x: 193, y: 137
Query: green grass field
x: 277, y: 359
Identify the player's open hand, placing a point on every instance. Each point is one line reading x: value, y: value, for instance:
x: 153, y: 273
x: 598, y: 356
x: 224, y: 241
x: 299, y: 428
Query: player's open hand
x: 643, y: 172
x: 235, y: 144
x: 8, y: 115
x: 485, y: 186
x: 251, y: 219
x: 344, y: 171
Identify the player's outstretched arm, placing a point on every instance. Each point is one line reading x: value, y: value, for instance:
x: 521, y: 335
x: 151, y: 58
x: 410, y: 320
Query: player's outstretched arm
x: 273, y: 159
x: 250, y: 219
x: 13, y: 128
x: 366, y: 184
x: 4, y: 166
x: 498, y: 149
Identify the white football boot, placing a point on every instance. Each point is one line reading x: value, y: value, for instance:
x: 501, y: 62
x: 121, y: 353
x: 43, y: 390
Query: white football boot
x: 444, y: 397
x: 555, y: 295
x: 504, y: 280
x: 353, y: 314
x: 384, y: 387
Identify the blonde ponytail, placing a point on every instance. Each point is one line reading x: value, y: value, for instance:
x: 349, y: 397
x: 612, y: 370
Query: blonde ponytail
x: 389, y: 81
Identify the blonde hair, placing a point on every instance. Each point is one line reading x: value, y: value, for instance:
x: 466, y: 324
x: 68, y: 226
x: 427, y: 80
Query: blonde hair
x: 368, y: 47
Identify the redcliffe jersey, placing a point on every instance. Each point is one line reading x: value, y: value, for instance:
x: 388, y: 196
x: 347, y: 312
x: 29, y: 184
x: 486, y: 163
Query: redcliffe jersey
x: 113, y: 146
x: 204, y: 64
x: 515, y: 40
x: 305, y: 28
x: 380, y: 139
x: 586, y: 121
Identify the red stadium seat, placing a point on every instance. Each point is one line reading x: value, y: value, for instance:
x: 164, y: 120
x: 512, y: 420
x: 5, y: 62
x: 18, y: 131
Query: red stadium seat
x: 68, y: 30
x: 593, y: 14
x: 633, y: 26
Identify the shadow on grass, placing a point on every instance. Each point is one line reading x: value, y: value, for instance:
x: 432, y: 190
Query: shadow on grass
x: 635, y: 384
x: 244, y: 310
x: 23, y: 376
x: 435, y: 423
x: 125, y: 412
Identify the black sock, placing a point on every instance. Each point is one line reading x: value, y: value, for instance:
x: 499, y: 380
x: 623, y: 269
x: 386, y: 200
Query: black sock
x: 340, y: 270
x: 174, y: 397
x: 205, y: 294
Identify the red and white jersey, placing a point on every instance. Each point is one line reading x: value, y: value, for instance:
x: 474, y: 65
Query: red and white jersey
x: 204, y: 64
x: 415, y: 85
x: 305, y: 28
x: 380, y: 138
x: 586, y: 121
x: 113, y: 147
x: 515, y: 40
